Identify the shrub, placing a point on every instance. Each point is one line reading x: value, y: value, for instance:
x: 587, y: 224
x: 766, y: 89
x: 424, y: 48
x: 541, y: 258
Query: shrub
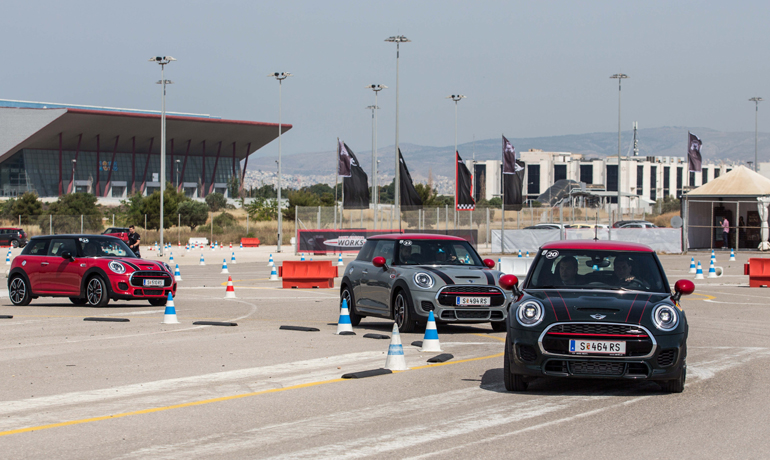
x: 216, y: 201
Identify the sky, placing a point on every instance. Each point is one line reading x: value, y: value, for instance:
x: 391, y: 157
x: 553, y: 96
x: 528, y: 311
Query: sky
x: 528, y: 69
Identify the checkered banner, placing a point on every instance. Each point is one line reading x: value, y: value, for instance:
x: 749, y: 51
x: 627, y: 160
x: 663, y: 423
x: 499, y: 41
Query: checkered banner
x: 464, y: 186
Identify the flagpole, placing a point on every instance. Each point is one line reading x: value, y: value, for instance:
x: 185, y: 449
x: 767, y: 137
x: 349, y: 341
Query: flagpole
x: 502, y: 208
x: 336, y: 181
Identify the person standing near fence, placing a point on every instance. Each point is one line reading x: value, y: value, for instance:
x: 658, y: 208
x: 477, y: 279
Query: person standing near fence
x: 134, y: 240
x: 725, y: 233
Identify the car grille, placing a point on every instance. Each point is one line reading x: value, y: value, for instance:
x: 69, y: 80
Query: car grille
x: 596, y: 367
x: 153, y: 292
x: 527, y: 353
x: 638, y: 343
x: 137, y: 279
x: 667, y: 357
x: 596, y: 328
x: 448, y: 294
x: 462, y: 314
x: 427, y: 305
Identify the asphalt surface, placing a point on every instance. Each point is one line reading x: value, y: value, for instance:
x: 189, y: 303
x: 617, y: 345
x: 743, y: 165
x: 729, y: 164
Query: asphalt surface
x: 73, y: 389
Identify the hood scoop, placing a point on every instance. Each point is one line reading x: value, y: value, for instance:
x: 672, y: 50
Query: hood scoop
x: 598, y: 309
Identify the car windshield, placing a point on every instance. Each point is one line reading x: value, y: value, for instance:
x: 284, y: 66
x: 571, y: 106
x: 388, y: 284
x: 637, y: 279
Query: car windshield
x: 94, y: 246
x: 594, y: 269
x: 436, y: 252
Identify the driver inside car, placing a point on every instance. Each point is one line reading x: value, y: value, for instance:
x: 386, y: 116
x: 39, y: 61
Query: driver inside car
x: 623, y: 268
x: 567, y: 269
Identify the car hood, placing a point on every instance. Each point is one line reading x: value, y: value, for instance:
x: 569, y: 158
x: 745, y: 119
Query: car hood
x: 610, y: 306
x: 458, y: 274
x: 141, y: 264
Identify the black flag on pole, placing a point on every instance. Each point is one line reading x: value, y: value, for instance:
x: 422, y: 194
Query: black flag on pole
x: 693, y: 152
x: 409, y: 197
x: 356, y: 185
x: 343, y: 154
x: 464, y: 186
x: 513, y: 188
x: 509, y: 157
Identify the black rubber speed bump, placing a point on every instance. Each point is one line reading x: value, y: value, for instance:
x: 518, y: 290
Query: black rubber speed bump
x: 347, y: 333
x: 443, y: 357
x: 364, y: 374
x: 299, y: 328
x: 110, y: 320
x: 213, y: 323
x: 416, y: 343
x: 6, y: 316
x: 376, y: 336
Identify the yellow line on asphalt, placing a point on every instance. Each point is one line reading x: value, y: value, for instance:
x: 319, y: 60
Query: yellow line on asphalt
x: 214, y: 400
x: 502, y: 339
x: 707, y: 297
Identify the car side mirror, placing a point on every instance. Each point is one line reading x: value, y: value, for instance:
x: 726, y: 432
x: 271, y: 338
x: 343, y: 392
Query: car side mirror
x: 682, y: 287
x: 489, y: 263
x: 379, y: 262
x: 510, y: 282
x: 67, y: 255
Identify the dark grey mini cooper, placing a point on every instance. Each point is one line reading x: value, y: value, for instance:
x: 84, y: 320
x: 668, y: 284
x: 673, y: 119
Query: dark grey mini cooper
x: 405, y: 276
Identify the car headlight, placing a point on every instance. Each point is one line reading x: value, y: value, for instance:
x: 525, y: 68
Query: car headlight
x: 665, y: 317
x: 529, y: 313
x: 117, y: 267
x: 168, y: 267
x: 423, y: 280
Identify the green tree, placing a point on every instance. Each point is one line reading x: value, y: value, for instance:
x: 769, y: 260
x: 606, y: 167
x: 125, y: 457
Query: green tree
x: 299, y: 198
x: 216, y: 201
x: 68, y: 209
x: 194, y: 213
x: 225, y: 220
x: 171, y: 200
x: 234, y: 187
x: 262, y: 209
x: 28, y: 206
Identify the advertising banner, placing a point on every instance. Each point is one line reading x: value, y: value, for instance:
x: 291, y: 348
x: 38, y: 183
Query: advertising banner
x: 335, y: 241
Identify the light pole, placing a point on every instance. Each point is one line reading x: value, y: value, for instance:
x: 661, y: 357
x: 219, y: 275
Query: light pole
x: 756, y: 101
x: 456, y: 98
x: 375, y: 187
x: 280, y: 76
x: 162, y: 60
x: 397, y: 39
x: 619, y: 77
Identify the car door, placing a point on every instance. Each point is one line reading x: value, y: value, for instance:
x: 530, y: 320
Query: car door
x: 60, y: 275
x: 379, y: 280
x: 33, y: 261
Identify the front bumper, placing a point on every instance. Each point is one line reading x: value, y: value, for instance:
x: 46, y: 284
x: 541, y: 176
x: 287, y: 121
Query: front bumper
x: 664, y: 361
x: 122, y: 288
x: 426, y: 301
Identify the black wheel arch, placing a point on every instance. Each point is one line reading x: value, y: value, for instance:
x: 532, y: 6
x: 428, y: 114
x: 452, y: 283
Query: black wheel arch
x: 401, y: 284
x: 22, y: 273
x: 98, y: 271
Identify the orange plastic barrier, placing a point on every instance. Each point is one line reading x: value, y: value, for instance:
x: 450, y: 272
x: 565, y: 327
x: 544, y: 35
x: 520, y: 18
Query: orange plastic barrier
x: 759, y: 272
x: 307, y: 274
x: 250, y: 242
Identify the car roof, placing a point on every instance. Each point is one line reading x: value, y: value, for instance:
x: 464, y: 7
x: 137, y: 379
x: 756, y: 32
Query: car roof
x: 600, y: 245
x: 415, y: 236
x: 76, y: 235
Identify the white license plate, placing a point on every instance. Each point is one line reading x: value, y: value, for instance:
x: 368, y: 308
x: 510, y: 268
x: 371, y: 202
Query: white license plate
x: 153, y: 282
x: 474, y: 301
x: 597, y: 347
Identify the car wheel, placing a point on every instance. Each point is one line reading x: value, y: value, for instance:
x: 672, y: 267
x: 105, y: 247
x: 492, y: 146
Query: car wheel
x: 676, y: 385
x: 15, y: 243
x: 513, y: 382
x: 18, y: 291
x: 355, y: 318
x: 402, y: 314
x: 78, y: 301
x: 96, y: 292
x: 499, y: 326
x: 158, y: 302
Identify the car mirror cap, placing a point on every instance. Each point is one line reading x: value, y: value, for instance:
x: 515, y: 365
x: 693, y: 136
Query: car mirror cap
x: 509, y: 282
x: 683, y: 287
x: 379, y: 262
x: 489, y: 263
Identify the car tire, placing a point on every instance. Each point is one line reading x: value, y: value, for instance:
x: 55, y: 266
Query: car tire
x: 97, y: 294
x: 18, y: 291
x: 402, y: 312
x: 78, y: 301
x: 347, y: 294
x: 161, y: 302
x: 676, y: 385
x: 499, y: 326
x: 513, y: 382
x: 15, y: 243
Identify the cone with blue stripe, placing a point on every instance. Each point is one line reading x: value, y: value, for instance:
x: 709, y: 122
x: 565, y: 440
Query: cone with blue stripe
x: 187, y: 247
x: 732, y: 255
x: 692, y: 265
x: 699, y: 272
x: 224, y: 271
x: 171, y: 258
x: 232, y: 258
x: 499, y: 267
x: 519, y: 253
x: 395, y: 360
x: 302, y: 257
x: 712, y: 270
x: 273, y: 274
x: 527, y: 254
x: 241, y: 245
x: 343, y: 324
x: 430, y: 341
x: 270, y: 262
x: 169, y: 316
x: 8, y: 258
x: 203, y: 262
x: 340, y: 263
x: 177, y: 275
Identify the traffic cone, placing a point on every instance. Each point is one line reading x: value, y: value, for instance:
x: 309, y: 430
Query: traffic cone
x: 395, y: 360
x: 499, y: 267
x: 340, y: 263
x: 273, y: 274
x: 692, y: 265
x: 169, y: 316
x: 171, y: 258
x: 430, y: 341
x: 595, y: 268
x: 177, y: 275
x: 519, y: 253
x: 187, y: 248
x: 241, y: 245
x: 224, y: 267
x: 732, y: 255
x: 527, y: 254
x: 270, y: 262
x: 343, y: 325
x: 302, y: 257
x: 699, y: 272
x: 230, y: 292
x: 712, y: 270
x: 232, y: 259
x: 8, y: 258
x: 202, y: 261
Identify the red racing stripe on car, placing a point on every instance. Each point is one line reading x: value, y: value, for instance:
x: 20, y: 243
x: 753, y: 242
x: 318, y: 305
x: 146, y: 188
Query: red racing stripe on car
x: 552, y: 307
x: 565, y: 306
x: 644, y: 309
x: 632, y: 307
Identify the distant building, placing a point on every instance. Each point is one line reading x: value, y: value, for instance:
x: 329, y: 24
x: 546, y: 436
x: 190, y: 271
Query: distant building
x: 53, y: 149
x: 643, y: 179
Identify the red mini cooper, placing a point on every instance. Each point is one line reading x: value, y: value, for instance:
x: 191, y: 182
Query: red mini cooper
x: 89, y: 269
